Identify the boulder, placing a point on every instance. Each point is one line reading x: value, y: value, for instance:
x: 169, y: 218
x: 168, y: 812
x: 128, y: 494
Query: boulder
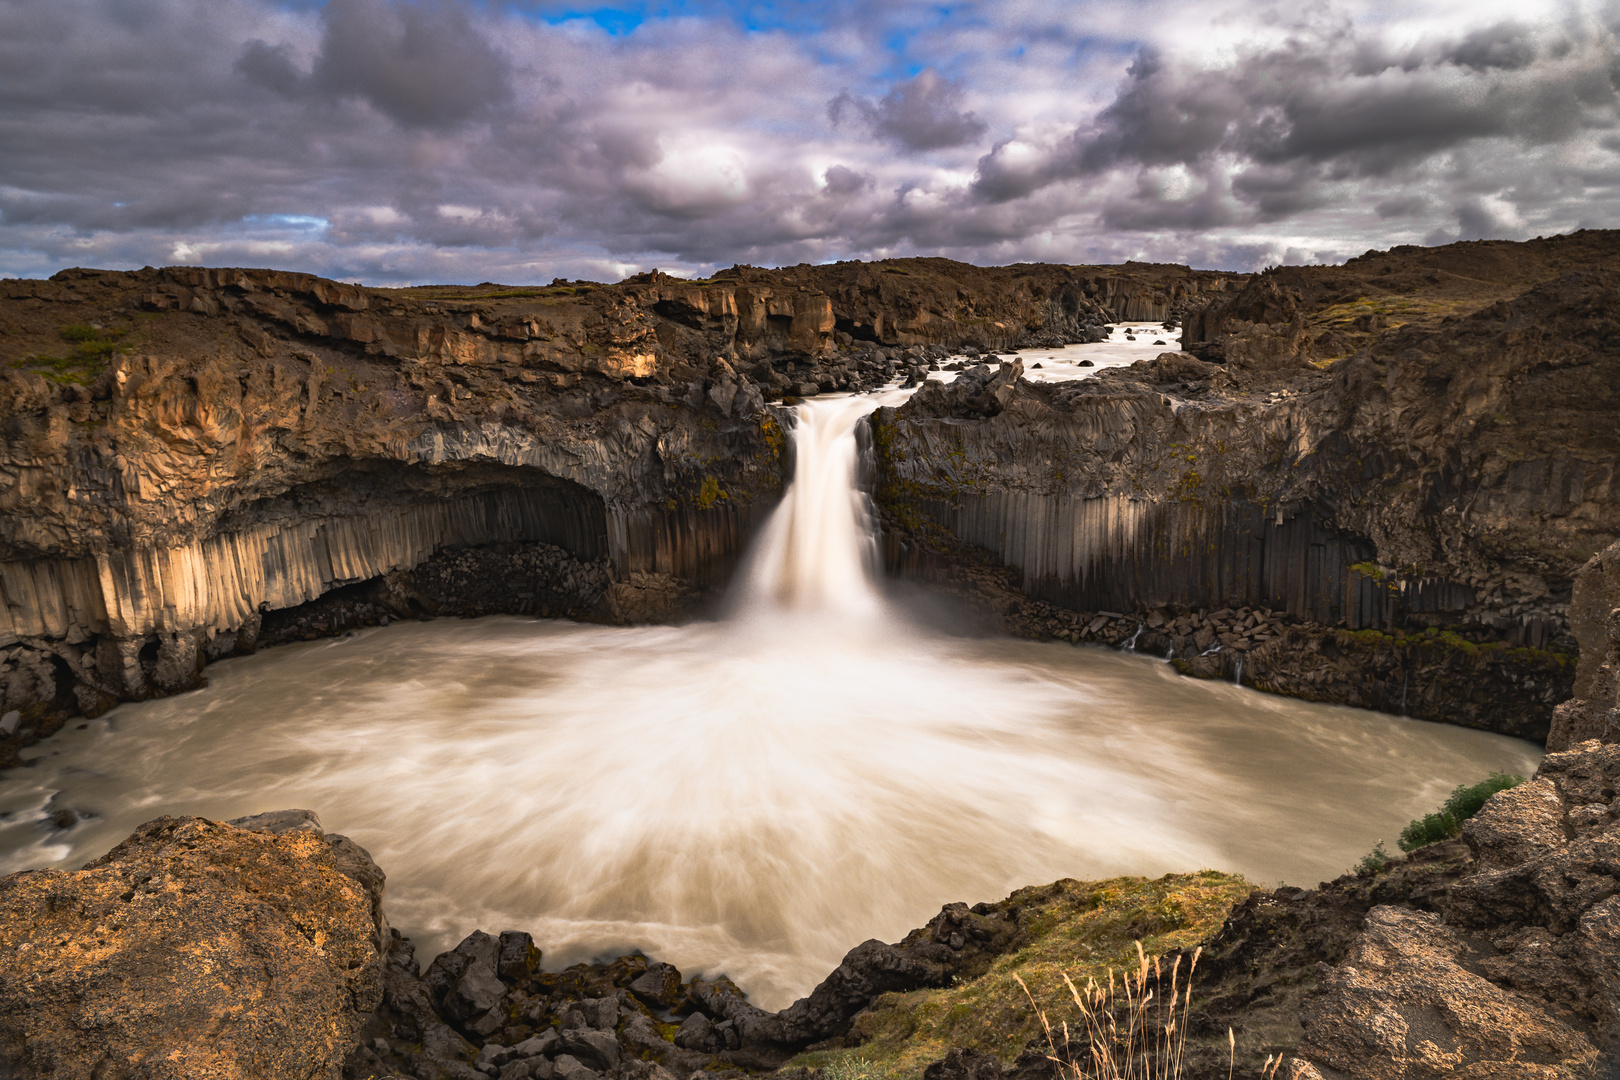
x: 659, y: 986
x: 518, y: 957
x: 1409, y: 1001
x: 695, y: 1033
x: 1522, y: 966
x: 597, y: 1049
x: 569, y: 1067
x: 193, y: 949
x: 962, y: 1063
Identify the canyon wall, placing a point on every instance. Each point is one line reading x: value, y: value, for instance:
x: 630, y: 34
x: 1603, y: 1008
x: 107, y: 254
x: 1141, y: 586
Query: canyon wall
x: 1435, y: 490
x: 194, y: 459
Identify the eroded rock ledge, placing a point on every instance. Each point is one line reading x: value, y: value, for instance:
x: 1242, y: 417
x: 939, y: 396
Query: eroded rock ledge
x: 193, y: 949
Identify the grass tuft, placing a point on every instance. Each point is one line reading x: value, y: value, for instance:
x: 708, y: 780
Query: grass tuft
x: 1126, y: 1030
x: 1074, y: 930
x: 1372, y: 864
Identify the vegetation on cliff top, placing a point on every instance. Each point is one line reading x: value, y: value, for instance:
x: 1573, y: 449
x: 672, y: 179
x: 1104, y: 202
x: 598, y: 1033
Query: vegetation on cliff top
x: 91, y: 347
x: 1082, y: 929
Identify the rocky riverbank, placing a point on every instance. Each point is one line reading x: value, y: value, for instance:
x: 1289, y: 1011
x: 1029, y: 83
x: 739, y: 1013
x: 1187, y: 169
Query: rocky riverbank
x: 1408, y: 457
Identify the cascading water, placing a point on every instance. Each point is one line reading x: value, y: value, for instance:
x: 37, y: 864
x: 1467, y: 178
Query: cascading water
x: 817, y: 555
x: 752, y: 796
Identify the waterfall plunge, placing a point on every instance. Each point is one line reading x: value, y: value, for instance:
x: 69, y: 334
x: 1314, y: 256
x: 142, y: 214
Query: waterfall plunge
x: 817, y: 554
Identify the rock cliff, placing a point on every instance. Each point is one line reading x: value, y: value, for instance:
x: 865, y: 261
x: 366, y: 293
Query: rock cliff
x: 194, y: 460
x: 1594, y: 711
x: 1493, y: 955
x: 1407, y: 463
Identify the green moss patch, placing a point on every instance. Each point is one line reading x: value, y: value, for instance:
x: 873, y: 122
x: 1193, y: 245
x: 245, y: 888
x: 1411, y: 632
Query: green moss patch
x: 87, y: 352
x: 1082, y: 929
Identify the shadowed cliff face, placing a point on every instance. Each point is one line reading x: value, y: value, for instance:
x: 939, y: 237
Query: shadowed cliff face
x: 1450, y: 475
x: 193, y: 456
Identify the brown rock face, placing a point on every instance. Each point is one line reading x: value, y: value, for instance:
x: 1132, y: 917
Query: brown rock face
x: 1594, y: 711
x: 193, y: 949
x: 187, y: 452
x: 1409, y: 1002
x: 1426, y: 463
x: 1519, y: 974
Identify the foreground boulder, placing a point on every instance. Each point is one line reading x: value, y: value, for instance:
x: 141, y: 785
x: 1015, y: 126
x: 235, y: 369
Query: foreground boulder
x: 193, y: 949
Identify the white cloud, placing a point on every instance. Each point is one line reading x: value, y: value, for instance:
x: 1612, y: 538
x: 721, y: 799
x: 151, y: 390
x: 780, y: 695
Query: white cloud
x: 442, y: 139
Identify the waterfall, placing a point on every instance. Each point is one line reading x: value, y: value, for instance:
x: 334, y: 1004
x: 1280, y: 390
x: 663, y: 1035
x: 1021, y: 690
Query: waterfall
x: 818, y: 552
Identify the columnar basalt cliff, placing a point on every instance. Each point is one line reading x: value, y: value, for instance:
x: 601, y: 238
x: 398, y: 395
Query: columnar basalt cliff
x: 1405, y: 463
x: 196, y: 459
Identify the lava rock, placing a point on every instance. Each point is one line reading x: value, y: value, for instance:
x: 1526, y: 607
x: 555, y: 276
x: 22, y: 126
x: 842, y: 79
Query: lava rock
x: 659, y: 986
x: 597, y: 1049
x: 518, y: 959
x: 964, y: 1064
x: 695, y: 1033
x: 219, y: 951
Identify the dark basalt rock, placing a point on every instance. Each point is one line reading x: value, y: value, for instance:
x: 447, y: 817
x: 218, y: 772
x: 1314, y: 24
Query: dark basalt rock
x: 616, y: 1019
x: 962, y: 1064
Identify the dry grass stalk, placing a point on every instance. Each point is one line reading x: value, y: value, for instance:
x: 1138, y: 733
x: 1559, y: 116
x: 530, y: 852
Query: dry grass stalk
x: 1125, y: 1030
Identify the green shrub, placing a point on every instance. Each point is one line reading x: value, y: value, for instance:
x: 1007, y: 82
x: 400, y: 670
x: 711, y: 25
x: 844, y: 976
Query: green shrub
x: 1373, y: 862
x: 1463, y: 804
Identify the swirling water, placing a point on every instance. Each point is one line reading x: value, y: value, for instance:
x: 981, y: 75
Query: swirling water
x: 752, y: 795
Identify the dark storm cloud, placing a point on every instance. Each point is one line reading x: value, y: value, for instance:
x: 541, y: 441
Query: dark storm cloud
x: 421, y: 62
x: 1325, y: 105
x: 922, y: 113
x: 271, y: 67
x: 461, y: 140
x: 842, y: 180
x: 1507, y: 45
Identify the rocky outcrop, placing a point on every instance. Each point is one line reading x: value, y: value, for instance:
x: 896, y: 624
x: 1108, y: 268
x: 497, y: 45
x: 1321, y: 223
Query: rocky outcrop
x: 196, y: 466
x: 1511, y: 971
x: 487, y: 1007
x: 1450, y: 475
x: 1517, y: 969
x: 194, y: 948
x: 1594, y: 711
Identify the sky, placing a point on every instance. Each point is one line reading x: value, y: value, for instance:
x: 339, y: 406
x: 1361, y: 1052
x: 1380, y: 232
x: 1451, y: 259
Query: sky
x: 416, y: 141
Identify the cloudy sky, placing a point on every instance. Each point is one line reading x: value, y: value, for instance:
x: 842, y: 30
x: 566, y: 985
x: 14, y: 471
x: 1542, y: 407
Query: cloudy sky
x: 396, y: 141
